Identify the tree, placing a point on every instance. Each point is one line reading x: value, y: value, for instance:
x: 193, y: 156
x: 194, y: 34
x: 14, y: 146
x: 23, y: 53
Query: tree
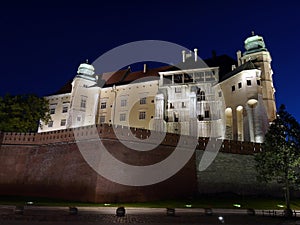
x: 22, y: 113
x: 279, y: 159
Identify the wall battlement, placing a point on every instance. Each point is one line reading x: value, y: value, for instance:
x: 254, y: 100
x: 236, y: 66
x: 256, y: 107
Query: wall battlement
x: 106, y: 131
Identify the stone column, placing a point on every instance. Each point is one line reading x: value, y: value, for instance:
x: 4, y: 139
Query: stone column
x: 258, y: 123
x: 250, y: 114
x: 159, y: 106
x: 159, y: 123
x: 234, y: 125
x: 193, y: 115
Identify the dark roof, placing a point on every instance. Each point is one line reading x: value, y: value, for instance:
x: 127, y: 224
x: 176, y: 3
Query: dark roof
x: 119, y: 77
x: 246, y: 66
x: 224, y: 62
x: 126, y: 76
x: 67, y: 88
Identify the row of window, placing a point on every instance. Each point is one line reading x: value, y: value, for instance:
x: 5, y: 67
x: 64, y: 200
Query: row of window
x: 199, y: 117
x: 183, y: 105
x: 62, y: 123
x: 143, y: 101
x: 142, y: 116
x: 103, y: 105
x: 248, y: 82
x: 64, y: 110
x: 196, y: 89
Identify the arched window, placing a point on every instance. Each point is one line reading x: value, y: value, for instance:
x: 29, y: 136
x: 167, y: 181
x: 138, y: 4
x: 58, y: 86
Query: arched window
x: 202, y: 96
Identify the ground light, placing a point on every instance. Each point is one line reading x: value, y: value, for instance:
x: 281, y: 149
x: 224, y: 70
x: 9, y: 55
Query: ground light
x: 188, y: 206
x: 237, y: 205
x: 221, y: 219
x: 280, y: 206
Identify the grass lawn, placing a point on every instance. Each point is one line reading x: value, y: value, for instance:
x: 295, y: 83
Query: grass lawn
x: 226, y: 202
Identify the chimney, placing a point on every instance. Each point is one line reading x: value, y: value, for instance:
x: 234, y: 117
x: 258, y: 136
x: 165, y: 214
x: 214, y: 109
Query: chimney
x: 196, y: 54
x: 183, y: 56
x: 239, y: 55
x: 214, y: 54
x: 145, y: 68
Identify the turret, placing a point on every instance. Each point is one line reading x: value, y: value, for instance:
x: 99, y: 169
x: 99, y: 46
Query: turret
x: 256, y: 51
x: 84, y: 97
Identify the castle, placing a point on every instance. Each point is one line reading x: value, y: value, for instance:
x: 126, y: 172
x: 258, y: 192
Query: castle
x: 226, y: 98
x: 225, y: 101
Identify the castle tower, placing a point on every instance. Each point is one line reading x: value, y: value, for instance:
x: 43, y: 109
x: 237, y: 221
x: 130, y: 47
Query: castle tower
x: 84, y: 97
x: 256, y: 52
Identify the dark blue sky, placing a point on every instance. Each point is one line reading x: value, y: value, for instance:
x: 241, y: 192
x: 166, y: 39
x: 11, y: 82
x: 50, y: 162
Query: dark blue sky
x: 41, y: 46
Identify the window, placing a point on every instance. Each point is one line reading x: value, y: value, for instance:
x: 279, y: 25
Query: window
x: 122, y: 117
x: 202, y: 96
x: 183, y: 105
x: 142, y: 115
x: 220, y: 94
x: 193, y: 89
x: 50, y: 123
x: 83, y: 102
x: 52, y: 108
x: 143, y: 101
x: 171, y: 106
x: 52, y: 111
x: 65, y: 109
x: 258, y: 82
x: 206, y: 114
x: 200, y: 117
x: 178, y: 90
x: 248, y: 82
x: 123, y: 102
x: 63, y: 122
x: 240, y: 85
x: 103, y: 105
x: 233, y: 88
x: 78, y: 118
x: 102, y: 119
x: 176, y: 117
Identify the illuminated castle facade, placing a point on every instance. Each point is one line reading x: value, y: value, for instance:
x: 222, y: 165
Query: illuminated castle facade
x: 222, y: 98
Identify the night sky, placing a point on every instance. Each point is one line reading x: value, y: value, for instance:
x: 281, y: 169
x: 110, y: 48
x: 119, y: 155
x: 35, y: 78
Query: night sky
x: 41, y: 46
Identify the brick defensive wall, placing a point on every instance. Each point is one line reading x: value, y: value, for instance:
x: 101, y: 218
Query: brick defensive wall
x: 50, y: 165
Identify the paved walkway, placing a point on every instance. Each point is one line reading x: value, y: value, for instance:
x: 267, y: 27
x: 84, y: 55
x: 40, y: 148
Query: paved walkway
x: 106, y: 215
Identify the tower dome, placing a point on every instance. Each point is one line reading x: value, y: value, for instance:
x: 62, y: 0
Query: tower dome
x: 86, y: 70
x: 254, y: 43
